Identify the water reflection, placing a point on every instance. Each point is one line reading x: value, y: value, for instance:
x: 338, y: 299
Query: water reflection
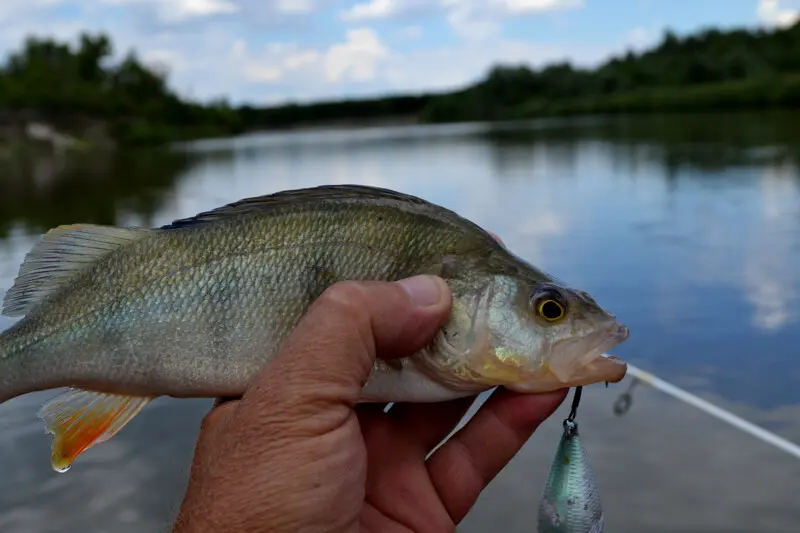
x: 684, y: 226
x: 46, y: 191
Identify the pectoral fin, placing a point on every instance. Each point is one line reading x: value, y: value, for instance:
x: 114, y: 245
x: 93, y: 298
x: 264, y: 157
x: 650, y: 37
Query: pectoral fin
x: 79, y: 419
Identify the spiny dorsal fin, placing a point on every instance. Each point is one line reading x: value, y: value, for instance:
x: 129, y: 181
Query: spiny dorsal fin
x: 338, y: 193
x: 79, y: 419
x: 62, y: 252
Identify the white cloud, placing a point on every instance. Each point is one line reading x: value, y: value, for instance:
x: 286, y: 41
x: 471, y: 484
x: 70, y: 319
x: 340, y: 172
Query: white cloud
x: 481, y: 19
x: 294, y: 6
x: 180, y: 10
x: 301, y: 59
x: 412, y: 32
x: 218, y: 48
x: 468, y: 17
x: 358, y: 56
x: 356, y: 59
x: 375, y: 9
x: 770, y: 13
x: 470, y: 22
x: 177, y: 10
x: 170, y: 12
x: 532, y: 6
x: 11, y: 9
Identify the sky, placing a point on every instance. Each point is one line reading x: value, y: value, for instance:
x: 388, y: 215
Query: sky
x: 274, y: 51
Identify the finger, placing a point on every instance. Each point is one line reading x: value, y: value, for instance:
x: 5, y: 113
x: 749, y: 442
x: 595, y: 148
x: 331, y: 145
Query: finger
x: 395, y: 455
x: 331, y: 351
x: 468, y: 461
x: 214, y: 425
x: 426, y: 424
x: 224, y: 399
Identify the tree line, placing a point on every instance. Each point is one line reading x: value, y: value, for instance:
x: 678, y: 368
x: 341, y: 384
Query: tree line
x: 76, y: 88
x: 742, y: 68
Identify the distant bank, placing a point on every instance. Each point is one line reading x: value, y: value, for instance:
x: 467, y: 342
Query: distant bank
x: 79, y: 101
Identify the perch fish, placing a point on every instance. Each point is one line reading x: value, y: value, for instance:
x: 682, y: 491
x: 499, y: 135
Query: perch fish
x: 196, y: 308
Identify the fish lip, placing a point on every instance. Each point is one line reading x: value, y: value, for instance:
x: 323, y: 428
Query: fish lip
x: 594, y: 366
x: 618, y: 333
x: 610, y: 367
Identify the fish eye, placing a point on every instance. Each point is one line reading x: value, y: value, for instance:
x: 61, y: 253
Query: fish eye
x: 550, y: 306
x: 550, y: 310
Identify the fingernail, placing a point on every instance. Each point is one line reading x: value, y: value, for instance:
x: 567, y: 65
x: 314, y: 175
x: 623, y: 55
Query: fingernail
x: 425, y: 291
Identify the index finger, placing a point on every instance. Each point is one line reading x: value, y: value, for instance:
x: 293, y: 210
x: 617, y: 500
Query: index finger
x: 465, y: 465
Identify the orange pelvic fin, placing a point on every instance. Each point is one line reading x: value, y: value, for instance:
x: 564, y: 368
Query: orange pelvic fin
x: 79, y: 419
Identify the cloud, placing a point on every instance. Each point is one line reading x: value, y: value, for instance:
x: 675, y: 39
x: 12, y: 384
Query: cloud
x: 294, y: 6
x: 354, y: 59
x: 535, y: 6
x: 362, y: 63
x: 182, y: 13
x: 376, y: 9
x: 357, y: 56
x: 481, y: 19
x: 467, y: 17
x: 273, y: 51
x: 180, y: 10
x: 13, y: 9
x: 472, y: 21
x: 412, y: 32
x: 770, y: 13
x: 177, y: 10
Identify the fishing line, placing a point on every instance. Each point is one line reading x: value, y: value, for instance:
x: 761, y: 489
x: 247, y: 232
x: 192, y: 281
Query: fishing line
x: 576, y: 401
x: 704, y: 405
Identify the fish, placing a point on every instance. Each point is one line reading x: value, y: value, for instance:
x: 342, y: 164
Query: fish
x: 197, y: 307
x: 570, y: 501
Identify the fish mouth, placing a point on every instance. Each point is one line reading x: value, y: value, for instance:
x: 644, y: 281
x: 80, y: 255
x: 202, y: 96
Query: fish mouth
x: 592, y: 366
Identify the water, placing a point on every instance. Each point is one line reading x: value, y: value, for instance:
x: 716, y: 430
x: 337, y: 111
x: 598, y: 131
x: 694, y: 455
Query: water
x: 686, y: 227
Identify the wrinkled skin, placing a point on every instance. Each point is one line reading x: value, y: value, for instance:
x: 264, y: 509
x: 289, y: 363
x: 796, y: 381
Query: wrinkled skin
x: 297, y: 454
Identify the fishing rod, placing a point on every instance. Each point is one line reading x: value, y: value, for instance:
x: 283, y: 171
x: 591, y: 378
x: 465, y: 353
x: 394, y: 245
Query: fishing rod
x: 622, y: 405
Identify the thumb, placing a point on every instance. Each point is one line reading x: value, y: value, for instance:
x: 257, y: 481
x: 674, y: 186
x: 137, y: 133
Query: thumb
x: 329, y: 355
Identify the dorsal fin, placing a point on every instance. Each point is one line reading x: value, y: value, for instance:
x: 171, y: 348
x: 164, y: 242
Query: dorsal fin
x: 62, y: 252
x: 299, y: 196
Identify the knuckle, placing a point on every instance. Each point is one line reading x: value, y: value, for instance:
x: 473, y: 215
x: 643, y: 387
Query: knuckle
x: 347, y: 299
x: 348, y: 303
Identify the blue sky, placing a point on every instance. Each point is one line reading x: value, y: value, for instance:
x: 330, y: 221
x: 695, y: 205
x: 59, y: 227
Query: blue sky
x: 269, y: 51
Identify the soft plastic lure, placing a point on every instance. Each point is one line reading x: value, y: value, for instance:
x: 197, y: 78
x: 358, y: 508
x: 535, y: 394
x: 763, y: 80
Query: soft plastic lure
x: 571, y: 502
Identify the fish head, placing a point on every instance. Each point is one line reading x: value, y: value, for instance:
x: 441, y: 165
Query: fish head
x: 559, y: 338
x: 528, y: 336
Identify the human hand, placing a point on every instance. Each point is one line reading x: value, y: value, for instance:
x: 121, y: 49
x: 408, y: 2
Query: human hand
x: 297, y: 454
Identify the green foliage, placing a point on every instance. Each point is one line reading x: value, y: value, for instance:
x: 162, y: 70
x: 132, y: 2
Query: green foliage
x: 76, y: 87
x: 322, y: 112
x: 711, y: 69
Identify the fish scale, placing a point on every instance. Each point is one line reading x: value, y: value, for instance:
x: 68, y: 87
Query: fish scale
x: 197, y: 307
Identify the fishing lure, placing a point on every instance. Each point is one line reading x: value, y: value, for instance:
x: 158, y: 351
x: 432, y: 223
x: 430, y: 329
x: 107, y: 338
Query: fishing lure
x: 571, y: 502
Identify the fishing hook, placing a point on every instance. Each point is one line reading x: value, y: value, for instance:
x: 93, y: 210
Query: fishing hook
x: 623, y: 403
x: 570, y: 426
x: 576, y: 401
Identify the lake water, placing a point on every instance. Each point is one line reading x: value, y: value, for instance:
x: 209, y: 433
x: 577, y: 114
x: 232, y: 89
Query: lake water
x: 686, y: 227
